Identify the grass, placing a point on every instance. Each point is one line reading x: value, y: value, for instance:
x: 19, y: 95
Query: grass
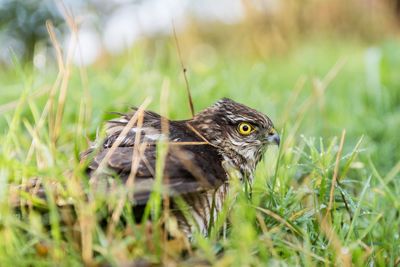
x: 336, y: 103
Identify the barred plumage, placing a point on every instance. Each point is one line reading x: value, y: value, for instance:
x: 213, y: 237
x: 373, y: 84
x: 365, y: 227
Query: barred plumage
x: 202, y: 152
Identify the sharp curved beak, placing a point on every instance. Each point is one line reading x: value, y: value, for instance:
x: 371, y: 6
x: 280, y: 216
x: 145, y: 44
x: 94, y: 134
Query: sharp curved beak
x: 274, y: 139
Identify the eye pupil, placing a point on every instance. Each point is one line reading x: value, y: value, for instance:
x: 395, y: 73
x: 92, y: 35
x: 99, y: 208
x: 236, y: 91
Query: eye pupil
x: 245, y: 128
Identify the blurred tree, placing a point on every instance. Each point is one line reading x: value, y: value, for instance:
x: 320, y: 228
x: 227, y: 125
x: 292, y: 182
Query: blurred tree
x: 397, y: 4
x: 25, y: 21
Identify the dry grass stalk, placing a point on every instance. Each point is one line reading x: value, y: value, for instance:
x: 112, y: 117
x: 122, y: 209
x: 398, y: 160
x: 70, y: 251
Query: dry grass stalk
x: 335, y: 173
x: 184, y: 72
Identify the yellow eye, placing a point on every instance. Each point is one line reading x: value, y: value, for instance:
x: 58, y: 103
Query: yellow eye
x: 245, y: 128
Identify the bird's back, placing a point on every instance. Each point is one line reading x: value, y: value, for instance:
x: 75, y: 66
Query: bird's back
x: 191, y: 165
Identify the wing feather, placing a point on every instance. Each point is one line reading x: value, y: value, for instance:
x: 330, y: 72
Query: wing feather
x: 188, y: 168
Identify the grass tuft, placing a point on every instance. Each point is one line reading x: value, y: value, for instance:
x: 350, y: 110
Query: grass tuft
x: 317, y: 200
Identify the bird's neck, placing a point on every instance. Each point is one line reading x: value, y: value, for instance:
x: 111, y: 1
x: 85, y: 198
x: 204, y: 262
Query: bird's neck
x: 238, y: 164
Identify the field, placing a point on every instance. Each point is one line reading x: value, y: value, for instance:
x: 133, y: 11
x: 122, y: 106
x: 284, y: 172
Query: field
x: 328, y: 196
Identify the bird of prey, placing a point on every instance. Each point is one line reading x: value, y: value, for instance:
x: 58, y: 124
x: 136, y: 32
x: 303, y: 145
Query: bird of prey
x: 202, y: 152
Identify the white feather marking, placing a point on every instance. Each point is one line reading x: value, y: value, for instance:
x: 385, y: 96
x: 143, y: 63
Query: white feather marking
x: 199, y: 222
x: 149, y: 133
x: 154, y: 137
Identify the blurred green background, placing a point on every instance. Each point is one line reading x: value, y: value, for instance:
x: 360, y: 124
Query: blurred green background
x: 255, y: 52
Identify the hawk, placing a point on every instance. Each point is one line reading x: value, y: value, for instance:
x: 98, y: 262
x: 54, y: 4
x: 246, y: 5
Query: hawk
x: 201, y: 154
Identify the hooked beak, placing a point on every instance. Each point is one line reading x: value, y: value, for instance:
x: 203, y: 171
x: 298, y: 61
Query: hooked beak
x: 273, y: 138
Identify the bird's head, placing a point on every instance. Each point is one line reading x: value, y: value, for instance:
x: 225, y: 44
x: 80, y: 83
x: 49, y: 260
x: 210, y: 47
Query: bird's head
x: 241, y: 134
